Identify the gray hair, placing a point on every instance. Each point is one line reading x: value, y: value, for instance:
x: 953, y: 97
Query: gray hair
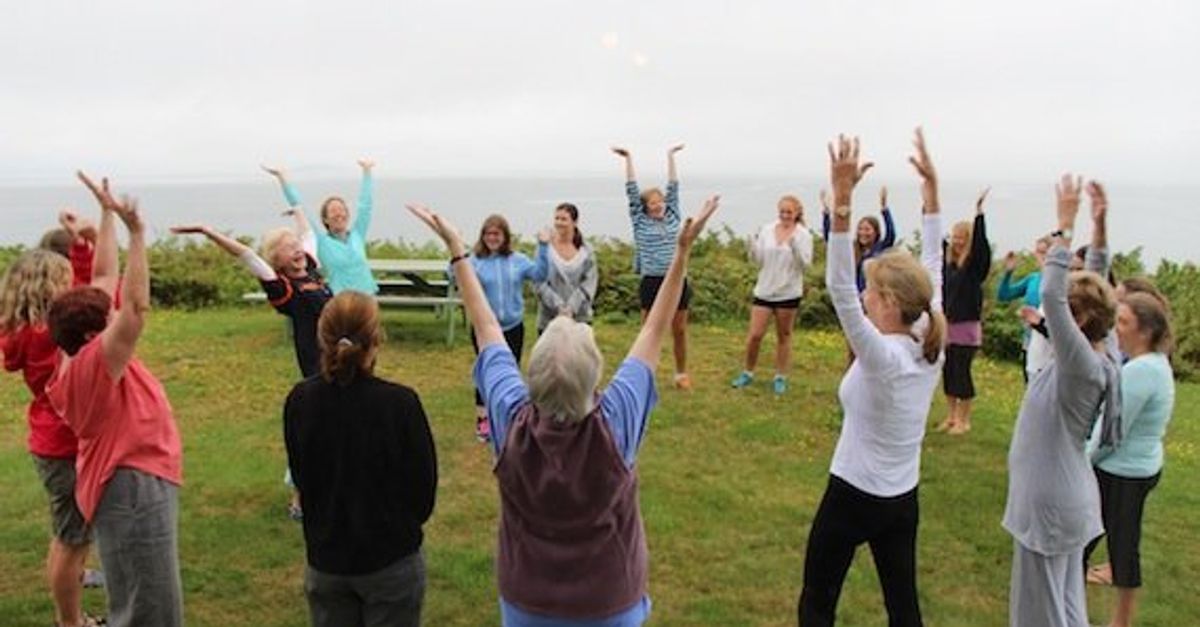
x: 564, y: 370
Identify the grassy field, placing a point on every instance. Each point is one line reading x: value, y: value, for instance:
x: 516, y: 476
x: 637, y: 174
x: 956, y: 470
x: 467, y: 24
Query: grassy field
x: 730, y: 481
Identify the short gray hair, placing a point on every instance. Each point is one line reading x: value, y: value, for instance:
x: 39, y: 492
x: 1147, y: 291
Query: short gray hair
x: 564, y: 370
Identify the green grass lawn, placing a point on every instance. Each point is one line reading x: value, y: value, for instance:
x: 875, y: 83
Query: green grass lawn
x: 730, y: 482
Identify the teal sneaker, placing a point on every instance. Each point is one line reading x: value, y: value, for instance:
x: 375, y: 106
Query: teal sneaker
x: 780, y: 384
x: 743, y: 380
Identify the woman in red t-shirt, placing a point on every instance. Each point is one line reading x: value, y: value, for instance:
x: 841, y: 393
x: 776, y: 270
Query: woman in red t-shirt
x: 130, y: 456
x: 28, y: 288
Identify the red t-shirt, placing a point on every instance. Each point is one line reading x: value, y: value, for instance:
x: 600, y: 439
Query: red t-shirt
x: 124, y: 423
x: 82, y: 256
x: 31, y: 351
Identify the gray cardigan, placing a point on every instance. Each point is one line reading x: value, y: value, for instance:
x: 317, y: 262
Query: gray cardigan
x: 1053, y: 501
x: 570, y: 285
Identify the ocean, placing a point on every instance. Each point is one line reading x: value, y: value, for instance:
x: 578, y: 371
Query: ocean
x: 1162, y: 219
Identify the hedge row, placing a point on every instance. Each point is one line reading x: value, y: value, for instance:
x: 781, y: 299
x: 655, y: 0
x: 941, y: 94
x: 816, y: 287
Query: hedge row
x: 191, y: 274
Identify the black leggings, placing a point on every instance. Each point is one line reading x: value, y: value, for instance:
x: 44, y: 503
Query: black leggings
x: 1122, y: 501
x: 515, y: 337
x: 847, y: 518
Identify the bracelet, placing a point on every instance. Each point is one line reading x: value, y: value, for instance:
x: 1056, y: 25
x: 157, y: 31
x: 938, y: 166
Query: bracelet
x: 457, y: 258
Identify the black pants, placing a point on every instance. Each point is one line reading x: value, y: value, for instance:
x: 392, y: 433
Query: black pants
x: 514, y: 337
x: 847, y: 518
x: 956, y: 371
x: 1122, y: 501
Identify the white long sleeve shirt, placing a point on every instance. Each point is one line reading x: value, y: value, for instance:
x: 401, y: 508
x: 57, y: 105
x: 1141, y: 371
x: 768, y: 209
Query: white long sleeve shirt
x: 886, y: 393
x: 781, y: 266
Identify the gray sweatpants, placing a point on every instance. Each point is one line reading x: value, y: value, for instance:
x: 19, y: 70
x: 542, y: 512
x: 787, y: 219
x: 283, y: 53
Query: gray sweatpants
x: 1046, y: 590
x: 389, y: 597
x: 137, y: 524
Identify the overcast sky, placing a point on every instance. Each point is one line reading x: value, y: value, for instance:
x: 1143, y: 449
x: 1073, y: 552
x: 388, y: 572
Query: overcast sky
x: 1008, y: 90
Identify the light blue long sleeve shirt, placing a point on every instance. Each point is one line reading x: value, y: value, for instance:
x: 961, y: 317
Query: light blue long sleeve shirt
x: 503, y: 277
x: 1147, y: 401
x: 344, y: 260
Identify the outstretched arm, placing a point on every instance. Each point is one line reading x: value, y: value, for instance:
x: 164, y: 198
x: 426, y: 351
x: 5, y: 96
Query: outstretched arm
x: 630, y: 176
x: 120, y: 338
x: 105, y: 273
x: 981, y: 249
x: 257, y: 266
x: 647, y: 346
x: 672, y: 172
x: 366, y: 194
x: 479, y: 313
x: 932, y: 252
x: 1097, y: 259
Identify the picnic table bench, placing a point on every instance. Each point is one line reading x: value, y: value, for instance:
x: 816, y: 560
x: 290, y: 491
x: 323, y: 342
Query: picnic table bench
x: 406, y: 283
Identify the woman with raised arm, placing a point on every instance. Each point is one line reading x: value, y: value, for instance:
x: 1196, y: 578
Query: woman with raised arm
x: 1029, y: 289
x: 503, y: 273
x: 872, y: 492
x: 572, y: 278
x: 572, y: 547
x: 294, y: 287
x: 1053, y: 507
x: 656, y: 220
x: 868, y: 241
x: 342, y: 247
x: 361, y: 453
x: 783, y: 249
x: 291, y: 280
x: 968, y: 259
x: 130, y: 457
x: 28, y: 287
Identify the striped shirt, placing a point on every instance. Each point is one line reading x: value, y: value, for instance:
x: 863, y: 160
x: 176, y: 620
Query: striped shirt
x: 653, y: 240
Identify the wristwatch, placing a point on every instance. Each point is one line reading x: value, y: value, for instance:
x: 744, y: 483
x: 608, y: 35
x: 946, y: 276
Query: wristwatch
x: 1063, y: 233
x: 842, y: 212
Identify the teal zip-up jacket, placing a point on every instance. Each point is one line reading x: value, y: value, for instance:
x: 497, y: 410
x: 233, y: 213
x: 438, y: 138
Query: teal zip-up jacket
x: 504, y: 276
x: 344, y: 260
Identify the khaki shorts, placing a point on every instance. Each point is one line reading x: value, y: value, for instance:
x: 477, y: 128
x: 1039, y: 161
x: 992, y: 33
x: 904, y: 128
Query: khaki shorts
x: 66, y: 521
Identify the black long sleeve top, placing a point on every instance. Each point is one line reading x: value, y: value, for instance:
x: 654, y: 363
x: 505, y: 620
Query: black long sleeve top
x: 962, y: 288
x: 363, y: 459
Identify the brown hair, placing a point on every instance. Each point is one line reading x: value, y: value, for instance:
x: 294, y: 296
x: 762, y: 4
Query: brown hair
x: 29, y: 286
x: 901, y: 278
x: 325, y: 208
x: 348, y: 334
x: 1093, y: 303
x: 1153, y: 319
x: 57, y: 240
x: 1143, y: 285
x: 572, y: 211
x: 494, y: 221
x: 78, y: 315
x: 859, y: 249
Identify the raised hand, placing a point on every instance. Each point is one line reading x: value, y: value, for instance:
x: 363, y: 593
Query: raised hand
x: 1099, y: 201
x: 278, y: 173
x: 824, y: 196
x: 924, y: 166
x: 621, y: 152
x: 982, y: 197
x: 101, y: 192
x: 883, y: 197
x: 446, y: 231
x: 1010, y: 261
x: 845, y: 171
x: 1067, y: 193
x: 694, y: 226
x: 544, y: 235
x: 366, y: 164
x: 127, y: 211
x: 674, y: 149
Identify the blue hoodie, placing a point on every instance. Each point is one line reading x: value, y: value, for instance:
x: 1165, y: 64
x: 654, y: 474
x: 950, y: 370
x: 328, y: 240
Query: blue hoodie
x: 503, y: 276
